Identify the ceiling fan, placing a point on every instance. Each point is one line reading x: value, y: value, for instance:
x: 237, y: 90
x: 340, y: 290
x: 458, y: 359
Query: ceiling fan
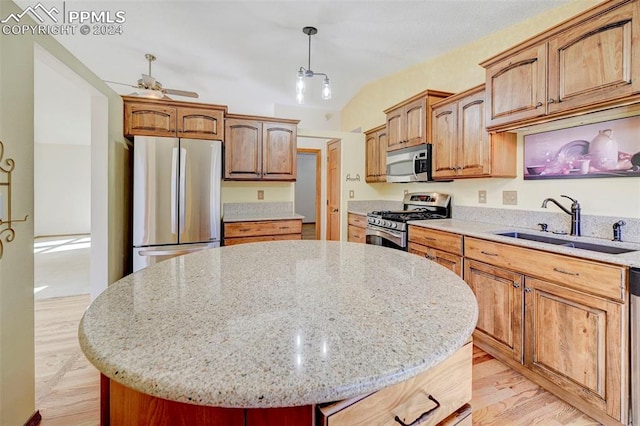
x: 149, y: 87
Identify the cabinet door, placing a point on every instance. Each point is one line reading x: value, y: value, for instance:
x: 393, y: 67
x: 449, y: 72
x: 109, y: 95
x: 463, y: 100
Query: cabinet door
x: 200, y: 123
x: 372, y: 156
x: 448, y: 260
x: 279, y: 141
x: 500, y: 307
x: 595, y: 61
x: 474, y: 146
x: 516, y: 87
x: 444, y: 135
x: 145, y: 119
x: 243, y: 149
x: 575, y: 341
x: 415, y: 116
x: 382, y: 155
x: 395, y: 129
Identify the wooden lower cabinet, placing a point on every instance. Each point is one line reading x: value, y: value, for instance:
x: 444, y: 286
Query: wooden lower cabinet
x: 444, y: 248
x: 432, y: 397
x: 356, y: 231
x: 575, y: 341
x: 262, y: 230
x: 572, y: 342
x: 500, y: 296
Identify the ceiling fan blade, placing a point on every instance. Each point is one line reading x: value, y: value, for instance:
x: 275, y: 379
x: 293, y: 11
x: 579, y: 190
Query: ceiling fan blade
x: 181, y: 93
x: 122, y: 84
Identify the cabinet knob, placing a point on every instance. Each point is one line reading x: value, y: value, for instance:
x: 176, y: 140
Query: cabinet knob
x: 538, y: 104
x: 516, y: 285
x: 527, y: 290
x: 551, y: 101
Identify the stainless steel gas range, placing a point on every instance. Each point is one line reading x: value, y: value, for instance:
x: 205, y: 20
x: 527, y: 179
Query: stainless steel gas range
x: 389, y: 228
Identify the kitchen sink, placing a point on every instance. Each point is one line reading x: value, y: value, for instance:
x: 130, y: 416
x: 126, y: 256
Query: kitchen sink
x: 600, y: 248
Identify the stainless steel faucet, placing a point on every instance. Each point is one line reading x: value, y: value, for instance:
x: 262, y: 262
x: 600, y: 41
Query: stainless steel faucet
x: 574, y: 213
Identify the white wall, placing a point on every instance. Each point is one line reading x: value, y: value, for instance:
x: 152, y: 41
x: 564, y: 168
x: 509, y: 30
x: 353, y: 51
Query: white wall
x: 62, y: 197
x: 305, y: 187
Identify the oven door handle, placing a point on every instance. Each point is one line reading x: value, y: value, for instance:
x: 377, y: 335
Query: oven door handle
x: 381, y: 232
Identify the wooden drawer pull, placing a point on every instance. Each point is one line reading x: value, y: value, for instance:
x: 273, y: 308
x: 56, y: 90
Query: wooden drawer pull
x: 422, y: 416
x: 487, y: 253
x: 283, y: 227
x: 429, y: 257
x: 575, y: 274
x: 244, y: 229
x: 428, y: 238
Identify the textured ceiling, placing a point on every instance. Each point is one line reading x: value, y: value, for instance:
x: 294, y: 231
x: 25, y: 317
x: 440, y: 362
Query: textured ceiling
x: 245, y: 54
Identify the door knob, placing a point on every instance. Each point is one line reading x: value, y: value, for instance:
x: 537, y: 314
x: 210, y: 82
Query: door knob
x: 334, y: 210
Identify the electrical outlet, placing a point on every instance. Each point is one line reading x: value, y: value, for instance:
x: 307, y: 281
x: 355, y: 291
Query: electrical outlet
x: 510, y: 198
x: 352, y: 193
x: 260, y: 194
x: 482, y: 196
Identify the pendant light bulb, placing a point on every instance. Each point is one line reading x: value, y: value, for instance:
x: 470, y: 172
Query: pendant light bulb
x: 300, y: 98
x: 326, y: 89
x: 300, y: 83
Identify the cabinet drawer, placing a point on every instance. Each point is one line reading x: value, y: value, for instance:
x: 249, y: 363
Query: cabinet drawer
x: 357, y: 220
x: 252, y: 229
x: 448, y: 260
x: 449, y: 383
x: 583, y: 275
x: 262, y: 238
x: 356, y: 234
x: 441, y: 240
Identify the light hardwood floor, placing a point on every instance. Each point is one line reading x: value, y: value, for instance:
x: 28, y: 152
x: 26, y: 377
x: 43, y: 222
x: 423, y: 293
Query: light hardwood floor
x: 67, y: 386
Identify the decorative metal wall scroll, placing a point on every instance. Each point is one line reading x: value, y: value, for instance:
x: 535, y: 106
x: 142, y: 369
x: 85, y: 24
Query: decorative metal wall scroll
x: 6, y: 225
x: 354, y: 179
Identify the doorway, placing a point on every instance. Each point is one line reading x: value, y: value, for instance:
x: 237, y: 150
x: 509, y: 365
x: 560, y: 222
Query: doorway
x: 308, y: 189
x: 333, y: 190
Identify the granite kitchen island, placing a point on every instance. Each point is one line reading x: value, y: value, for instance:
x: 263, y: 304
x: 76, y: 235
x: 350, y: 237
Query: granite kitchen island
x: 281, y: 333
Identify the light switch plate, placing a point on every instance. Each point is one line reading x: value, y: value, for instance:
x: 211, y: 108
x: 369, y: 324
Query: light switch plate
x: 352, y: 193
x: 260, y: 194
x: 482, y: 196
x: 510, y: 198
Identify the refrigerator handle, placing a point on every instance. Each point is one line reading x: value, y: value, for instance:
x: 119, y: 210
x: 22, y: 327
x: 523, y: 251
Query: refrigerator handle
x: 183, y: 189
x: 174, y: 189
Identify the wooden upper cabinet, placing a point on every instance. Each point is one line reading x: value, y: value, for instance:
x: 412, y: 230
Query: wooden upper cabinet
x: 517, y: 86
x: 409, y: 122
x: 159, y: 117
x: 200, y: 123
x: 595, y: 61
x: 376, y: 154
x: 243, y: 149
x: 461, y: 145
x: 279, y: 151
x: 585, y: 64
x: 144, y: 119
x: 257, y: 149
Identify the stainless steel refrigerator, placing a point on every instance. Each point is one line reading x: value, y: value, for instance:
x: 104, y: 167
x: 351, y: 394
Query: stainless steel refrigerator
x: 176, y: 197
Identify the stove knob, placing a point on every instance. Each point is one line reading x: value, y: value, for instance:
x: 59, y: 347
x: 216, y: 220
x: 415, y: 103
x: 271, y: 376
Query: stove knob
x: 394, y: 225
x: 377, y: 221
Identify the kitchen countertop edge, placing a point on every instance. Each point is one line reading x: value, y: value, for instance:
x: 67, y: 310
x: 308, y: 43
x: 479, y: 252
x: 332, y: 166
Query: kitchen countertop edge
x: 488, y: 231
x: 261, y: 217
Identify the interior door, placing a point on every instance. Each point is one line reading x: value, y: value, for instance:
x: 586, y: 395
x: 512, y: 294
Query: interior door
x: 333, y: 191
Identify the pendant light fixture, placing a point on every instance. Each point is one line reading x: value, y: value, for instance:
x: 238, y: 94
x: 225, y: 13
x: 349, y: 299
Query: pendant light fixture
x: 304, y: 73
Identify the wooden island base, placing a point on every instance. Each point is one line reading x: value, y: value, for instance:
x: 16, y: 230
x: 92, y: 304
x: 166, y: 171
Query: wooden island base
x: 439, y: 396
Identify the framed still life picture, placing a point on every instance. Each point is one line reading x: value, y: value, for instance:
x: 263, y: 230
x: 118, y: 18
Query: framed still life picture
x: 606, y: 149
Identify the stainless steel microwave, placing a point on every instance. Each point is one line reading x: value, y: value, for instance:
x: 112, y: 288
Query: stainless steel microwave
x: 411, y: 164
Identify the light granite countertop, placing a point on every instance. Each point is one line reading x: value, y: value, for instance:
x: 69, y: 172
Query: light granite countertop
x: 488, y: 231
x: 277, y: 324
x: 250, y: 212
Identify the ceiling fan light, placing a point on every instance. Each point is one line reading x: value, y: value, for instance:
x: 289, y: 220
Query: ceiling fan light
x: 326, y: 89
x: 149, y: 93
